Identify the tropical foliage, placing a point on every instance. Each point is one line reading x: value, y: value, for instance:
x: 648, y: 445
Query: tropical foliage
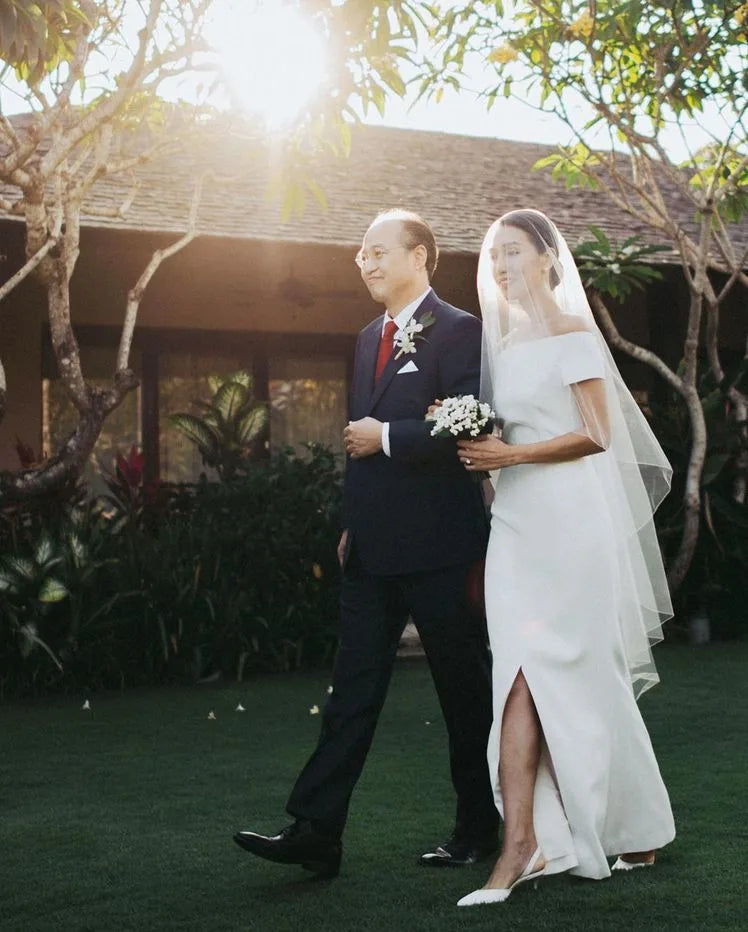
x: 716, y: 585
x: 232, y: 426
x: 641, y: 70
x: 146, y: 586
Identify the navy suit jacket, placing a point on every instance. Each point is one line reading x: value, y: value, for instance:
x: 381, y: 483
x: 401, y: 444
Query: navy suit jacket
x: 417, y: 509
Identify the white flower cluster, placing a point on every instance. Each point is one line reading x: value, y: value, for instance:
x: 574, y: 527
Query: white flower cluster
x: 462, y: 416
x: 405, y: 339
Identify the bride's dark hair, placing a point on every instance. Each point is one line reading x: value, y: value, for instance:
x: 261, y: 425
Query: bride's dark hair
x: 540, y: 232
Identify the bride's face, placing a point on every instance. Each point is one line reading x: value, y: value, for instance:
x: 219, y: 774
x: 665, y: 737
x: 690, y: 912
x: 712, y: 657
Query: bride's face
x: 518, y: 269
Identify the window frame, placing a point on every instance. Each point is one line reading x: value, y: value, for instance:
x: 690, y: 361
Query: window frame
x: 255, y: 346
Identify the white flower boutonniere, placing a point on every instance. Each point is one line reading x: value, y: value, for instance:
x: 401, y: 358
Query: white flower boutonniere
x: 405, y: 339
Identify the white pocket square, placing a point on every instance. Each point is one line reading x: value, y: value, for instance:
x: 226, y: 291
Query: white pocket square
x: 409, y: 366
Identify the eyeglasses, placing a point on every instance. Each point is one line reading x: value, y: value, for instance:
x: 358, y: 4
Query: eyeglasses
x: 376, y: 255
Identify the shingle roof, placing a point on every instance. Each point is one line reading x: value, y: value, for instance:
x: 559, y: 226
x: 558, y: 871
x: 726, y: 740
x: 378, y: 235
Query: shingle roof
x: 460, y: 184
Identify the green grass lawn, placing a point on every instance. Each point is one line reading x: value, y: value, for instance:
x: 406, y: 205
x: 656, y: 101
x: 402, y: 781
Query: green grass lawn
x: 121, y: 818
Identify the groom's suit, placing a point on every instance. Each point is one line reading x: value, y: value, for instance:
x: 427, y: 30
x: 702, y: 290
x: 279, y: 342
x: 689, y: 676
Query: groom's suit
x: 416, y: 525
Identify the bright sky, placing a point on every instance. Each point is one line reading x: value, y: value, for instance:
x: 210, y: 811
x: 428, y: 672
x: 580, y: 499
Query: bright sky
x: 274, y: 60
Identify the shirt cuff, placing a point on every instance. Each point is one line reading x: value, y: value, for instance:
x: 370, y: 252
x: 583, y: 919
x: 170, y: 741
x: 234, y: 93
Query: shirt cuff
x: 386, y: 438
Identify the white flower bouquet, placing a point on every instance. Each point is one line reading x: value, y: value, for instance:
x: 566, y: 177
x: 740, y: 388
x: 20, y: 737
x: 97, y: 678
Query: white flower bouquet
x: 462, y: 417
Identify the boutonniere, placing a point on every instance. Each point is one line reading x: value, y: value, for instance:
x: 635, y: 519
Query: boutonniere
x: 405, y: 339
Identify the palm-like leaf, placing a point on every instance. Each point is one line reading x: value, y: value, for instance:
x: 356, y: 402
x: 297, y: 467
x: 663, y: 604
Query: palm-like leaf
x: 8, y: 580
x: 52, y: 590
x: 25, y: 570
x: 44, y: 550
x: 252, y: 423
x: 228, y: 422
x: 614, y: 269
x: 196, y: 430
x: 229, y: 399
x: 78, y: 550
x: 214, y: 383
x: 243, y: 377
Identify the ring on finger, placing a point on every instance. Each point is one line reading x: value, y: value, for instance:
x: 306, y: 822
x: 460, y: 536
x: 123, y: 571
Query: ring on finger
x: 469, y: 462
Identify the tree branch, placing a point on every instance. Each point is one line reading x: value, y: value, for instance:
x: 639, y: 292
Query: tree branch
x: 28, y: 267
x: 614, y: 337
x: 135, y: 294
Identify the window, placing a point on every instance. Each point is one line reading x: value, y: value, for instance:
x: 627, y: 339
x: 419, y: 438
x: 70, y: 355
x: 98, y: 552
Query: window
x: 306, y: 390
x: 307, y: 401
x: 182, y: 381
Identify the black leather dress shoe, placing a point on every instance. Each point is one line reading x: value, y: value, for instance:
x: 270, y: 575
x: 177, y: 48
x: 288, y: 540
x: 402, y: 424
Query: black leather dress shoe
x: 458, y: 852
x: 298, y: 843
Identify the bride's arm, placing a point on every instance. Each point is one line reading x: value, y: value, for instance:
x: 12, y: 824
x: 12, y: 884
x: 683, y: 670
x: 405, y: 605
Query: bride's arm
x: 488, y: 453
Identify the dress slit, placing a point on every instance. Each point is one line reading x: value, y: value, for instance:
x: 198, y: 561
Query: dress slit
x: 546, y: 786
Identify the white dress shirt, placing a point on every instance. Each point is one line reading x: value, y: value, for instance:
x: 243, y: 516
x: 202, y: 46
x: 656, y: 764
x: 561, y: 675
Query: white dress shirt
x: 401, y: 320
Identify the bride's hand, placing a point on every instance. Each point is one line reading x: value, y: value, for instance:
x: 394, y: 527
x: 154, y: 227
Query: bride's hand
x: 485, y: 453
x: 432, y: 409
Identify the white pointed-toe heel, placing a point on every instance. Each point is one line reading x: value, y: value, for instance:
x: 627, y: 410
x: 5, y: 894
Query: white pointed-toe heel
x: 500, y: 894
x: 621, y: 865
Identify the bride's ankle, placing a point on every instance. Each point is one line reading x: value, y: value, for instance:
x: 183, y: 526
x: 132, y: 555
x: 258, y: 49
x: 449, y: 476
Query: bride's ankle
x: 522, y: 846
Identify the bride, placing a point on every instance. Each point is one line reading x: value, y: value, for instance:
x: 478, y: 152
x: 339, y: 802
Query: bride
x: 575, y: 587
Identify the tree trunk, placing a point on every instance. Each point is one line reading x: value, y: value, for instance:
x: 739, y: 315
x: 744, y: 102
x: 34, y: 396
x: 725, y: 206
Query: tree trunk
x: 66, y: 466
x: 3, y: 391
x: 740, y: 414
x: 61, y: 470
x: 692, y: 494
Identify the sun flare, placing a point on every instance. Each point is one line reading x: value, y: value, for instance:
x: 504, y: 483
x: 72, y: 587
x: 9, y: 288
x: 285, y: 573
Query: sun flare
x: 272, y: 58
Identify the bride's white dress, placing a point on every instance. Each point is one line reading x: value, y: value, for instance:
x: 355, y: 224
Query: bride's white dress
x: 551, y: 601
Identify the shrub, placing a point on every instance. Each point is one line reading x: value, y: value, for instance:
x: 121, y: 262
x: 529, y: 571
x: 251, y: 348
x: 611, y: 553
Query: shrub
x: 179, y: 583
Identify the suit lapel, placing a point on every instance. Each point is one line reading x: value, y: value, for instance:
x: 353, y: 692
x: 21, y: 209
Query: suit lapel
x: 428, y: 304
x: 366, y: 364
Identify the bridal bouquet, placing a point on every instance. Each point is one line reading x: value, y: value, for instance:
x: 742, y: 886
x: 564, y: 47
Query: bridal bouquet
x: 462, y: 417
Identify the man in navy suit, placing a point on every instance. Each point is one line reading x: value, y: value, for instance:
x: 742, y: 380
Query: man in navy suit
x: 415, y: 528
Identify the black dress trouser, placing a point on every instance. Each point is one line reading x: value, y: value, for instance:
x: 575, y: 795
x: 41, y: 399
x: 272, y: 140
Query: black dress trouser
x: 374, y: 610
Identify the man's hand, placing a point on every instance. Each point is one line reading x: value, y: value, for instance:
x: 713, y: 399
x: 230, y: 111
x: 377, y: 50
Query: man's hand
x: 363, y: 438
x: 341, y: 546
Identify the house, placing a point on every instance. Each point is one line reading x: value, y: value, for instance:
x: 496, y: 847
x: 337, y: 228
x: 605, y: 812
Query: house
x: 285, y: 298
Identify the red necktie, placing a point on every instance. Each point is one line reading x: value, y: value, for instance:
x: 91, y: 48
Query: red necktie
x: 385, y: 347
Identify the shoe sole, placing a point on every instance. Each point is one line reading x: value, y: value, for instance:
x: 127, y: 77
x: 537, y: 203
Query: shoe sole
x: 324, y: 869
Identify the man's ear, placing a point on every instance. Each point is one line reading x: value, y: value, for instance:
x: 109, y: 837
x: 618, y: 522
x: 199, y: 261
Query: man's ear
x: 421, y: 255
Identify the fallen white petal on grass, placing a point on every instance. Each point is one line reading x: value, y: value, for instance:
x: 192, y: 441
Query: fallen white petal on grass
x: 314, y: 710
x: 329, y: 690
x: 86, y: 707
x: 240, y: 708
x: 211, y: 715
x: 427, y: 723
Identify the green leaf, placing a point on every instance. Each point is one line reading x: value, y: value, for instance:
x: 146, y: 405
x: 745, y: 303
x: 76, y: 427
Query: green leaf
x: 215, y: 382
x: 229, y: 400
x: 252, y: 424
x: 21, y: 567
x: 318, y: 193
x: 8, y: 581
x: 243, y: 377
x: 52, y: 590
x: 195, y: 430
x: 44, y: 550
x: 78, y: 550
